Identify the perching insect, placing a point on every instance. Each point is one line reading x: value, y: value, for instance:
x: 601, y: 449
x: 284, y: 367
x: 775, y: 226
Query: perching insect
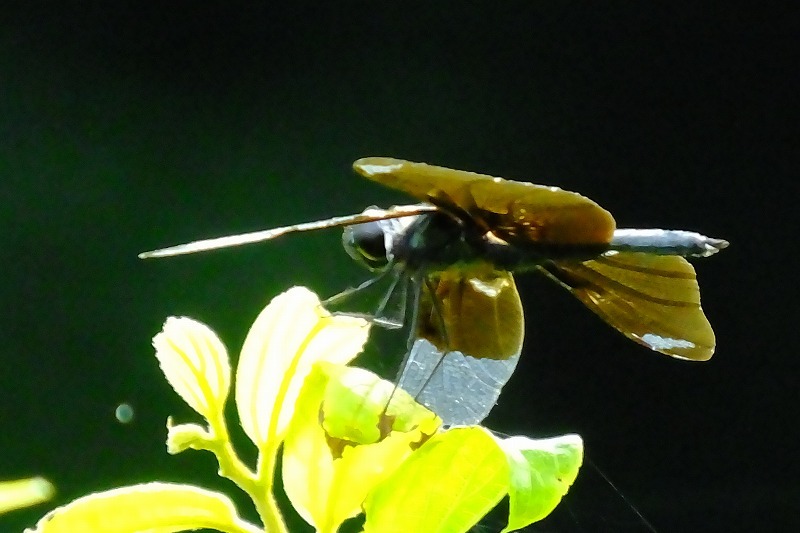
x: 457, y: 252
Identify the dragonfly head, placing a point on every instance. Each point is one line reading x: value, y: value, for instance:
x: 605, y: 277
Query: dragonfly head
x: 369, y: 243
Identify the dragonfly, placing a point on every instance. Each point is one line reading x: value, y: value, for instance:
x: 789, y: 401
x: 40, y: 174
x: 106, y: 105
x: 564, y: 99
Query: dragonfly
x: 452, y: 257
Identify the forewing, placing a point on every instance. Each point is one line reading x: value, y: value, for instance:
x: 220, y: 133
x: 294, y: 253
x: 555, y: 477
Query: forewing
x: 513, y: 211
x: 480, y: 312
x: 654, y: 300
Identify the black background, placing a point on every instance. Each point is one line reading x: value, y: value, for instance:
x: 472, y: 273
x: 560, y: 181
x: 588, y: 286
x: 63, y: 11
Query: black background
x: 126, y: 127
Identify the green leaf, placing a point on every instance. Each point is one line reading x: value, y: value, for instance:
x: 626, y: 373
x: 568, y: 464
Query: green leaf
x: 151, y: 507
x: 542, y: 470
x: 184, y: 436
x: 195, y: 363
x: 21, y: 493
x: 447, y: 485
x: 356, y: 406
x: 343, y: 441
x: 292, y: 333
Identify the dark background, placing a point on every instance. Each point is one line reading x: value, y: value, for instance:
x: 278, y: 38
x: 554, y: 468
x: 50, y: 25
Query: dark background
x: 124, y: 128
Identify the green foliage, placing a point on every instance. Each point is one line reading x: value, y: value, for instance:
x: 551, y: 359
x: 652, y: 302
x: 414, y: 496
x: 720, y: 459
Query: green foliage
x: 21, y: 493
x: 351, y: 442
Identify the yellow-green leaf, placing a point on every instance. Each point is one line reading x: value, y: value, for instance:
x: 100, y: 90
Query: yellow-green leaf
x: 447, y: 485
x: 356, y: 407
x: 184, y: 436
x: 195, y: 363
x: 341, y: 442
x: 24, y: 493
x: 147, y: 508
x: 542, y: 470
x: 289, y: 335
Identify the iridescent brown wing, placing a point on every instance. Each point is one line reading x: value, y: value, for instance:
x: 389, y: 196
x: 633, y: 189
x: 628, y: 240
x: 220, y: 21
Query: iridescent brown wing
x: 652, y: 299
x: 514, y: 211
x: 480, y: 311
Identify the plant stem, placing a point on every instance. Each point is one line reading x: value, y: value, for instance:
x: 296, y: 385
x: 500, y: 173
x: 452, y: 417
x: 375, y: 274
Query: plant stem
x: 266, y: 505
x: 258, y: 486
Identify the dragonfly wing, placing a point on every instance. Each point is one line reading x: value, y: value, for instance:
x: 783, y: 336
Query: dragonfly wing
x: 514, y: 211
x: 470, y: 329
x: 478, y: 313
x: 652, y: 299
x: 461, y: 389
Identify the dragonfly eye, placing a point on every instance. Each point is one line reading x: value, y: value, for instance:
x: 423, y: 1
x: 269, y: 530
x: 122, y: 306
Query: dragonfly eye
x: 366, y: 243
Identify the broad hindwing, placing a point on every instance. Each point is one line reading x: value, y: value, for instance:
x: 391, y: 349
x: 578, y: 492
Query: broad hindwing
x: 480, y: 311
x: 514, y: 211
x: 654, y: 300
x: 461, y: 389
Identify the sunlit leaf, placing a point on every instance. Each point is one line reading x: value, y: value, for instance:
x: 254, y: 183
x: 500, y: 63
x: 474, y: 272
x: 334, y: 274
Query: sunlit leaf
x: 447, y: 485
x: 289, y: 335
x: 343, y: 441
x: 24, y: 493
x: 195, y: 363
x: 152, y: 507
x: 181, y: 437
x: 542, y: 470
x: 357, y: 407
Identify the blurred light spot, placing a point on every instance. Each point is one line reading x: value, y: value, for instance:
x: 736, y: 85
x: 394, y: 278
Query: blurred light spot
x: 124, y: 413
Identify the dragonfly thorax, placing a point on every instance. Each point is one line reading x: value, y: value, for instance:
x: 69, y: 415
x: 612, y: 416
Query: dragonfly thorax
x: 434, y: 242
x: 437, y: 241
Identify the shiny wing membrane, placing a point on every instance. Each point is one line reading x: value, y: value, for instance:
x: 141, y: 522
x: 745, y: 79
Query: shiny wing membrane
x: 514, y: 211
x: 460, y: 389
x: 481, y: 314
x: 652, y: 299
